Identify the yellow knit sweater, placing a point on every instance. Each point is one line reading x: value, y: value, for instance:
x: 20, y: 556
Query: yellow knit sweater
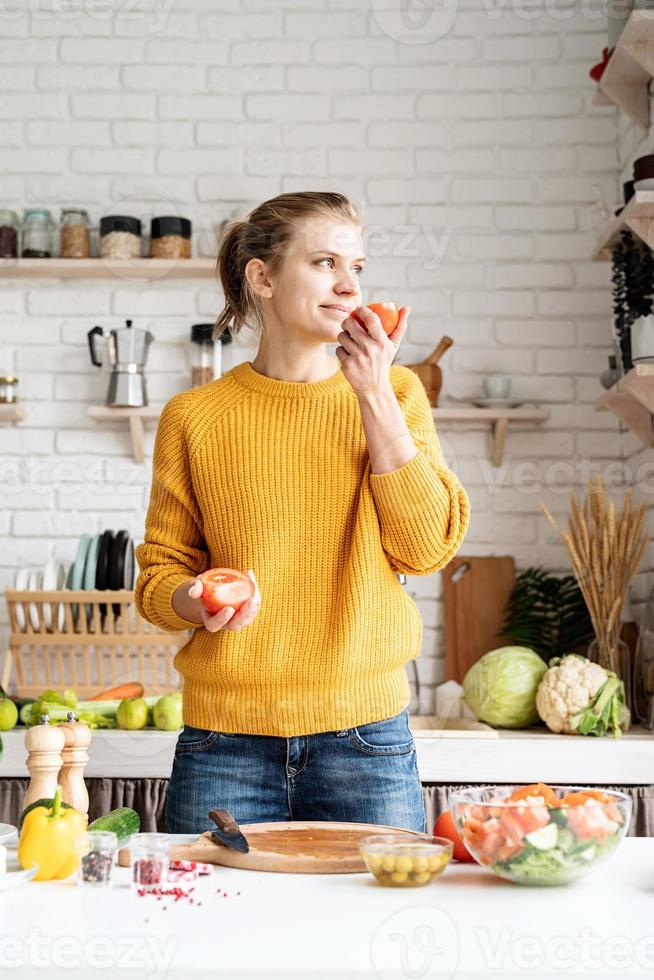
x: 253, y: 472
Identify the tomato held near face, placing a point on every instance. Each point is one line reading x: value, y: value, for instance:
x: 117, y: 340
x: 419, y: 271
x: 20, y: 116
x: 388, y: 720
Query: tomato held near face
x: 388, y: 314
x: 223, y: 587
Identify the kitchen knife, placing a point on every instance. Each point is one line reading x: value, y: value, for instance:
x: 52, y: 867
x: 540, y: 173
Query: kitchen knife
x: 227, y: 831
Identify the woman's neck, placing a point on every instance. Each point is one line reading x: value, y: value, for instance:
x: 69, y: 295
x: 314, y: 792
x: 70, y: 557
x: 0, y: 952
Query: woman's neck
x: 289, y: 365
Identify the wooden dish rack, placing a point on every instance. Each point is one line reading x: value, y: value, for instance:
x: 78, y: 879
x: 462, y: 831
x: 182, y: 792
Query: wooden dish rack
x: 108, y: 644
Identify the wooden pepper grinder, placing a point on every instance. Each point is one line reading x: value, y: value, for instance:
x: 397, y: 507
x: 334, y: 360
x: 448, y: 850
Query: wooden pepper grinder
x: 44, y: 744
x: 74, y: 759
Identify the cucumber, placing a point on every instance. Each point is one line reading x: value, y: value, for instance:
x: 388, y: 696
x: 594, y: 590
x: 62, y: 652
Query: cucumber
x: 545, y: 838
x: 47, y: 802
x: 567, y: 840
x: 123, y: 822
x: 586, y: 853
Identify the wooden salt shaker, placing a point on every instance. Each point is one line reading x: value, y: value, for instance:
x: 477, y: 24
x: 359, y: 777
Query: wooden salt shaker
x: 75, y: 756
x: 44, y: 744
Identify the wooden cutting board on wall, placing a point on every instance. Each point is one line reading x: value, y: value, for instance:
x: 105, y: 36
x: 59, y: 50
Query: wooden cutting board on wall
x: 476, y: 591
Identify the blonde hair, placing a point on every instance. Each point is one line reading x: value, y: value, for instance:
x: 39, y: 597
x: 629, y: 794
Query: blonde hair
x: 265, y: 235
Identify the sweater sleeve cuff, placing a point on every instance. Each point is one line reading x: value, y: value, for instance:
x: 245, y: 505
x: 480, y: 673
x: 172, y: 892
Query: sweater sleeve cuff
x: 160, y: 605
x: 402, y: 492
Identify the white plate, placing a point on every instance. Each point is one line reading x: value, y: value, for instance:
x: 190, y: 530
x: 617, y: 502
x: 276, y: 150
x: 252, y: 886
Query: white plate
x: 21, y: 582
x: 54, y: 577
x: 7, y: 831
x: 35, y: 582
x: 15, y: 874
x: 497, y: 403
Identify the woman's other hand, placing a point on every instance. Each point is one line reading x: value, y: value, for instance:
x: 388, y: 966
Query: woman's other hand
x: 228, y: 618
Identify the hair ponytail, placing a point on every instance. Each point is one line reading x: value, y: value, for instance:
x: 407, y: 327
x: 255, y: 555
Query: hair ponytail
x: 265, y: 235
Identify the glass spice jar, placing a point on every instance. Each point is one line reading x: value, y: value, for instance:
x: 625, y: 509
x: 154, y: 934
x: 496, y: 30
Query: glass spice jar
x: 170, y: 238
x: 95, y: 853
x: 37, y: 233
x: 8, y: 234
x: 206, y: 354
x: 148, y: 854
x: 120, y: 237
x: 8, y: 389
x: 74, y: 225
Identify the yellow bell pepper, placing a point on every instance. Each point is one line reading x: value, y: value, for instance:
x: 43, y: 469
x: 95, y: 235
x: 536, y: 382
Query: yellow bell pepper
x: 47, y: 839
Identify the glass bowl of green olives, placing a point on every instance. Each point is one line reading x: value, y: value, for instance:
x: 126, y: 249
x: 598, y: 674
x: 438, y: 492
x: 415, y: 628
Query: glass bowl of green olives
x: 402, y: 861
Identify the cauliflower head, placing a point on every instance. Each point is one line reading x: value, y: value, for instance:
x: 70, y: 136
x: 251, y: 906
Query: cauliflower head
x: 566, y: 690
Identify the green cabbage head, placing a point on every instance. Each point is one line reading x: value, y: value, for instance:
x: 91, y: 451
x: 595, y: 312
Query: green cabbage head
x: 501, y: 687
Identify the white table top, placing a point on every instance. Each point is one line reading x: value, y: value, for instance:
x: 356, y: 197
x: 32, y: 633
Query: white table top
x: 469, y: 924
x: 443, y: 756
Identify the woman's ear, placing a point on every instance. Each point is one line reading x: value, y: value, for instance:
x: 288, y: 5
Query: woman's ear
x: 257, y: 277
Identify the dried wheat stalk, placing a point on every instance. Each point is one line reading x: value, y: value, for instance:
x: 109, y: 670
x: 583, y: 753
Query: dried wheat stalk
x: 605, y: 550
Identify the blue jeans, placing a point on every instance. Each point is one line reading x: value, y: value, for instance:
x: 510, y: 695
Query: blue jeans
x: 365, y: 774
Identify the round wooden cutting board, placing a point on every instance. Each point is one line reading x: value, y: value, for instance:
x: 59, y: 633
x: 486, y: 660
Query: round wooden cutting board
x: 300, y: 847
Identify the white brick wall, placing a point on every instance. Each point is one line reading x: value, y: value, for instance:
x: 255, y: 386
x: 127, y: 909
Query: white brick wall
x: 474, y: 152
x: 631, y: 144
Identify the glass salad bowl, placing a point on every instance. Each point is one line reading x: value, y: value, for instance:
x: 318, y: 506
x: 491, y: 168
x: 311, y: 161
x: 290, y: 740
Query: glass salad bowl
x: 539, y: 834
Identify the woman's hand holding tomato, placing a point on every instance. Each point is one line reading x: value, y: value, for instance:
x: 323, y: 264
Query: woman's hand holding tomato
x: 370, y: 338
x: 229, y: 600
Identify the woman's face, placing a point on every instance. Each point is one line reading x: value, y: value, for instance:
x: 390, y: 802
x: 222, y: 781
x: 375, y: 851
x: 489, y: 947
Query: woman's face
x: 318, y: 283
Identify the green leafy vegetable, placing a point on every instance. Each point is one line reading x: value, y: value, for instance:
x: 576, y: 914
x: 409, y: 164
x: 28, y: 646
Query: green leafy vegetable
x: 501, y: 687
x: 547, y: 613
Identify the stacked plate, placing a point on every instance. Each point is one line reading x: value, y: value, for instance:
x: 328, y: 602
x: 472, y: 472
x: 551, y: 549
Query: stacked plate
x: 103, y: 561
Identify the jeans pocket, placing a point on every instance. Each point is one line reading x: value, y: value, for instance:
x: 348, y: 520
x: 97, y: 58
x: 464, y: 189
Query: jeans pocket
x: 391, y: 736
x: 192, y: 739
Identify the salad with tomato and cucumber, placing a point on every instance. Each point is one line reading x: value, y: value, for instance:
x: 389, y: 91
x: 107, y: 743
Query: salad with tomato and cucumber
x: 540, y: 834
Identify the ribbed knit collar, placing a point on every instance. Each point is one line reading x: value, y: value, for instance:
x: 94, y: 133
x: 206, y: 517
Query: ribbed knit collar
x: 245, y: 374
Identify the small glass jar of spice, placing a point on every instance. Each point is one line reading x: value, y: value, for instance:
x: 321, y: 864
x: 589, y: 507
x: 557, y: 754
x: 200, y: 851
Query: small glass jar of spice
x: 9, y: 225
x: 95, y: 852
x: 37, y: 233
x: 8, y: 389
x: 74, y: 229
x: 170, y: 238
x: 120, y: 237
x: 148, y: 854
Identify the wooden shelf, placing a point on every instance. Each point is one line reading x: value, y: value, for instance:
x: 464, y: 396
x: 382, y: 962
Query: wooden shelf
x: 637, y: 215
x: 499, y: 418
x: 632, y: 401
x: 136, y: 269
x: 626, y: 77
x: 11, y: 413
x: 135, y: 417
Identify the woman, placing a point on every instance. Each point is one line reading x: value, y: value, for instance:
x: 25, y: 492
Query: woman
x: 321, y: 477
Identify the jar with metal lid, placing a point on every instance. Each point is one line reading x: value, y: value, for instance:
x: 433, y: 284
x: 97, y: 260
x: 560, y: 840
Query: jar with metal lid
x: 206, y: 354
x: 120, y: 237
x: 9, y: 225
x: 8, y: 389
x: 170, y: 238
x: 37, y: 233
x: 74, y: 226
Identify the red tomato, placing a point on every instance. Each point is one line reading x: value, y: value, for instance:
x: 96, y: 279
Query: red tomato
x: 388, y: 313
x: 225, y: 587
x: 445, y: 827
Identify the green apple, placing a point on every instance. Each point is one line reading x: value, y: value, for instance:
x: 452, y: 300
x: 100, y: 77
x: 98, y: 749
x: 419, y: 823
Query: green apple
x: 8, y: 714
x: 132, y: 713
x: 167, y: 713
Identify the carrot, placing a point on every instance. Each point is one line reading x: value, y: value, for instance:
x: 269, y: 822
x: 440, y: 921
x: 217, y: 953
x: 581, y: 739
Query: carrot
x: 535, y: 789
x: 582, y: 796
x: 132, y: 689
